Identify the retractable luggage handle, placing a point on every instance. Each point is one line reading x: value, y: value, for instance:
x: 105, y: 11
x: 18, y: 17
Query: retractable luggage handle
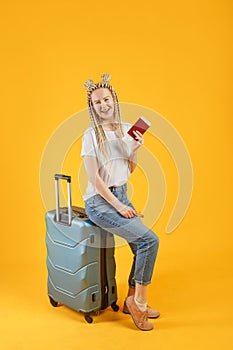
x: 68, y: 179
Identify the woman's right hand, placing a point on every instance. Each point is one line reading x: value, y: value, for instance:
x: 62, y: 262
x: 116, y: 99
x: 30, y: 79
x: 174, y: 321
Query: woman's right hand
x: 123, y: 209
x: 128, y: 212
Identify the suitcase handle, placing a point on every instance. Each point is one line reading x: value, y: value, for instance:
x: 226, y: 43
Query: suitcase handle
x: 62, y: 177
x: 68, y: 179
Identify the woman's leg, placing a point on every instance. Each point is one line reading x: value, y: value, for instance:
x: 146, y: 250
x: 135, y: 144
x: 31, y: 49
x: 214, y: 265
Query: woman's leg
x: 137, y: 289
x: 145, y: 249
x: 144, y: 244
x: 140, y: 296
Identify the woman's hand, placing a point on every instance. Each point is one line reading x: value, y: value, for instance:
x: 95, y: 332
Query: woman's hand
x: 127, y: 212
x: 139, y: 141
x: 123, y: 209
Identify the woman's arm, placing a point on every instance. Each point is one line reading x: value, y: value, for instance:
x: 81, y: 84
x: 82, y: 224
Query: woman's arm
x: 91, y: 166
x: 132, y: 161
x: 133, y: 157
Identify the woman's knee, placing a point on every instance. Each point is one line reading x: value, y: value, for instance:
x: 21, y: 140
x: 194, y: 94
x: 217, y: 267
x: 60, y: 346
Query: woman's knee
x: 151, y: 240
x: 156, y: 239
x: 153, y: 243
x: 152, y: 237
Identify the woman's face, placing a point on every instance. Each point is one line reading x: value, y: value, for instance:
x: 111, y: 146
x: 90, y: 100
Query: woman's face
x: 102, y: 102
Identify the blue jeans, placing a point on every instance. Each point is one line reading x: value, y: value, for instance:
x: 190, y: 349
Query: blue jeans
x: 142, y: 241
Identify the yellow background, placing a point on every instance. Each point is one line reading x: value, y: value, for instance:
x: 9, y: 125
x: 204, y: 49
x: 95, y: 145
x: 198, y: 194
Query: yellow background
x: 174, y: 57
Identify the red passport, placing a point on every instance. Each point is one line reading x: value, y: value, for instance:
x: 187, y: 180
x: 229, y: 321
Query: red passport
x: 142, y: 124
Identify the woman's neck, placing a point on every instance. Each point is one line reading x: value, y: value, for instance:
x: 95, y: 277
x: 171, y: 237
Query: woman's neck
x: 109, y: 127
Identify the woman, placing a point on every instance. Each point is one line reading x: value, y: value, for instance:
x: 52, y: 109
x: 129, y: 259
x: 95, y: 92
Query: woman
x: 110, y: 155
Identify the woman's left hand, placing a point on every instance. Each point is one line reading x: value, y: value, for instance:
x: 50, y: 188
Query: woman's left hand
x: 139, y: 139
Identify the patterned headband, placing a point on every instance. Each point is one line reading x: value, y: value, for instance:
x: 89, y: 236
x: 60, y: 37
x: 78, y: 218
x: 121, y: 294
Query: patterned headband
x: 90, y: 85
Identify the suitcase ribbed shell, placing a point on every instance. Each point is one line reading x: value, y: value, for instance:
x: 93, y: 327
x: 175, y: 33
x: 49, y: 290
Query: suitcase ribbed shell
x: 74, y: 264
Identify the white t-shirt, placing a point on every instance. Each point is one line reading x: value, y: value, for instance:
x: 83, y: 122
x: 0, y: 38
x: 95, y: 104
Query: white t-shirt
x: 115, y: 171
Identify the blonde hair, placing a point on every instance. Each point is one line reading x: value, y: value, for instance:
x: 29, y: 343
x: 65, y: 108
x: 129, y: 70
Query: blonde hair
x: 95, y: 118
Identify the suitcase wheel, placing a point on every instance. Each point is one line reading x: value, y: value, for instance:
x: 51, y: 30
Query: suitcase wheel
x: 88, y: 318
x: 53, y: 302
x: 115, y: 307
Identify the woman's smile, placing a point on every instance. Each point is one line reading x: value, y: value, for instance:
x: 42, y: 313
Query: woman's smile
x: 106, y: 112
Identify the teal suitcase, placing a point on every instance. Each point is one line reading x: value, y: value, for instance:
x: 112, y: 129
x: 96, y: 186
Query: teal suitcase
x: 80, y: 259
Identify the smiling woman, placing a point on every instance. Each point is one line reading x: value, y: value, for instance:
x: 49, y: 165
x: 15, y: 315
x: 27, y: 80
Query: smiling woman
x: 110, y: 155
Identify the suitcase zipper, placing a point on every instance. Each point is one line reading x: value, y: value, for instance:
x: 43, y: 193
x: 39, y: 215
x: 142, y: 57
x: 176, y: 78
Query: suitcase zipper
x: 103, y: 271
